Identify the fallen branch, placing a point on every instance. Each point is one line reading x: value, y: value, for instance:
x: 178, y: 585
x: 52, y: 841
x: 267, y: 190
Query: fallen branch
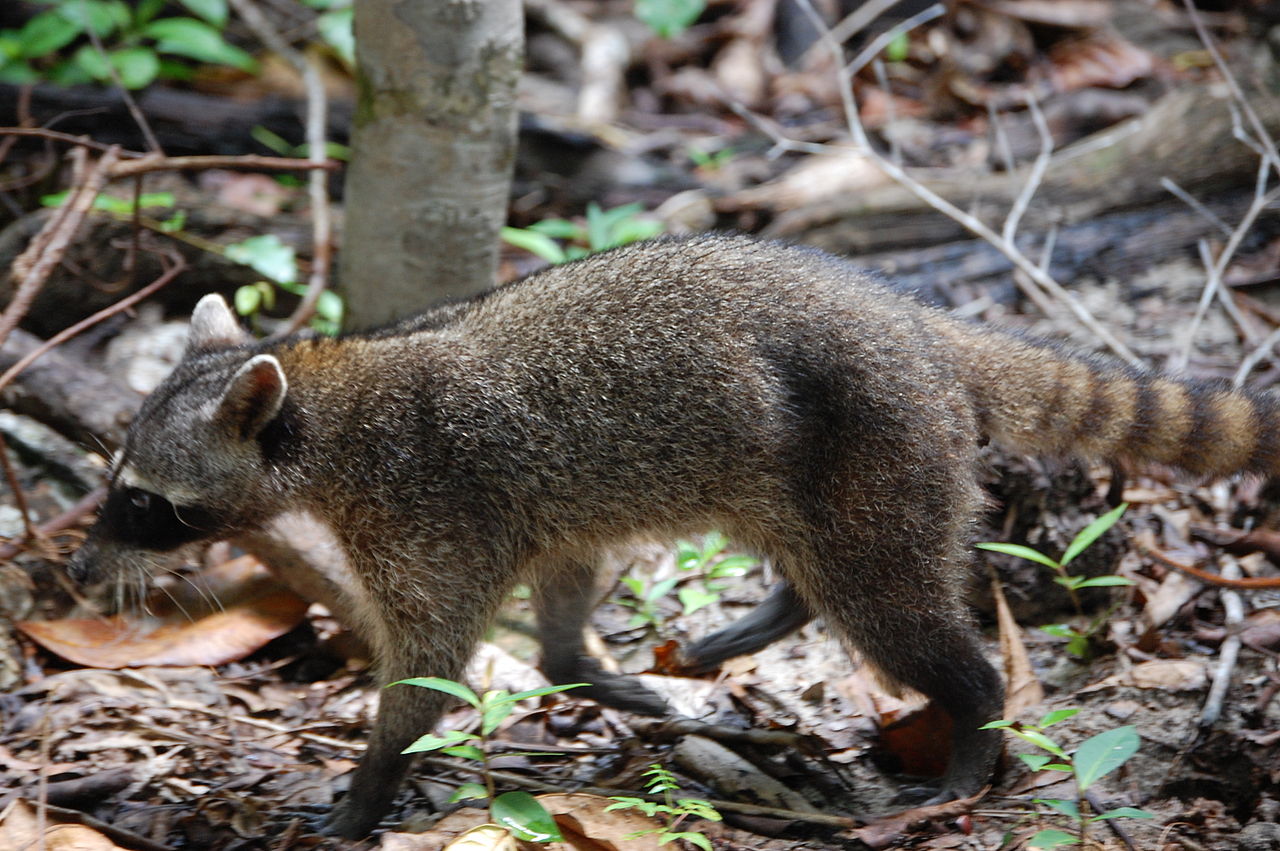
x: 1245, y: 582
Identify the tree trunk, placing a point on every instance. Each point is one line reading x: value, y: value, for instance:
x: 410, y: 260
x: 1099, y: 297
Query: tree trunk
x: 433, y: 145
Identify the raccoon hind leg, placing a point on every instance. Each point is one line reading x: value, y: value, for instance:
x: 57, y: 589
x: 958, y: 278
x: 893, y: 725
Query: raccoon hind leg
x: 563, y: 603
x: 886, y: 573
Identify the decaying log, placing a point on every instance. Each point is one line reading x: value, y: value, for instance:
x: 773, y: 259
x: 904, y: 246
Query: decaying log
x: 1187, y: 136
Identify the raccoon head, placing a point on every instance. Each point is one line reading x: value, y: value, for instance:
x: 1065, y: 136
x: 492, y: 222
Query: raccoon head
x: 194, y: 466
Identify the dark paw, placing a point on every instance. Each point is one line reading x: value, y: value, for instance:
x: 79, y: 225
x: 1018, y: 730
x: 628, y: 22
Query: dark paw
x: 614, y: 690
x: 923, y: 795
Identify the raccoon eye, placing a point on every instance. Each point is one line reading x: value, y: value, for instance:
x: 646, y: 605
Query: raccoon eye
x: 140, y: 500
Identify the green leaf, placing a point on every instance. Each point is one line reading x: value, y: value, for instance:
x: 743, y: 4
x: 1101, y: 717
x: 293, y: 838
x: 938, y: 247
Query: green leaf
x: 266, y: 254
x: 1041, y: 741
x: 247, y: 300
x: 493, y: 713
x: 1105, y: 582
x: 559, y: 229
x: 1057, y: 716
x: 465, y: 752
x: 137, y: 66
x: 212, y: 11
x: 430, y: 742
x: 1035, y: 761
x: 661, y: 589
x: 1072, y: 582
x: 196, y: 40
x: 1123, y: 812
x: 896, y: 50
x: 700, y: 808
x: 688, y: 836
x: 597, y: 228
x: 335, y: 27
x: 1019, y: 551
x: 1092, y: 532
x: 458, y: 690
x: 535, y: 243
x: 1047, y: 839
x: 46, y: 33
x: 692, y: 599
x: 997, y: 725
x: 330, y: 306
x: 100, y: 16
x: 669, y: 18
x: 1099, y: 755
x: 545, y: 690
x: 635, y: 230
x: 1067, y: 808
x: 1078, y: 646
x: 469, y: 791
x: 520, y: 813
x: 1060, y: 630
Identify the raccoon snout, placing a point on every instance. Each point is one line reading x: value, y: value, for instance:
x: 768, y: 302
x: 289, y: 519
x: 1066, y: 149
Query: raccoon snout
x: 83, y: 567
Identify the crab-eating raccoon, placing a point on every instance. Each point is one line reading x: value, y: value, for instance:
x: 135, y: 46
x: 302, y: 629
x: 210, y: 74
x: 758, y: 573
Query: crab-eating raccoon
x: 772, y: 392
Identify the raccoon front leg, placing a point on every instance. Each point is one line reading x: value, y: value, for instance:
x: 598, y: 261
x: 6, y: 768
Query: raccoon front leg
x: 781, y: 614
x: 414, y: 636
x: 563, y: 603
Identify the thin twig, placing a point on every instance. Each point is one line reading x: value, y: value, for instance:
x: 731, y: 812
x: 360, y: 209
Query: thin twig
x: 1191, y: 201
x: 41, y: 256
x: 1032, y: 184
x: 318, y: 190
x: 966, y: 220
x: 1268, y: 151
x: 179, y: 265
x: 153, y: 144
x: 880, y: 42
x: 63, y: 521
x: 29, y: 530
x: 1233, y: 607
x: 1211, y: 285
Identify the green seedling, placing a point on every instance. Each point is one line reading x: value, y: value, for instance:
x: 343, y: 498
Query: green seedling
x: 673, y: 810
x: 519, y: 813
x: 712, y: 564
x: 275, y: 261
x: 604, y: 229
x: 1093, y: 759
x: 1078, y: 639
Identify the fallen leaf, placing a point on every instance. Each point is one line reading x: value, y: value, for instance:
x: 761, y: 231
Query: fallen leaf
x: 20, y: 827
x: 1101, y: 59
x: 1167, y: 674
x: 1023, y: 690
x: 254, y: 610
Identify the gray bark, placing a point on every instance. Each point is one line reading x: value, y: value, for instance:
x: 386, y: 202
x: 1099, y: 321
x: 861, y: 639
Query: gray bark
x: 433, y: 146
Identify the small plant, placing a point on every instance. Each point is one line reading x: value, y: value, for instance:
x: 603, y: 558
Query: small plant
x: 674, y: 810
x: 275, y: 261
x: 1077, y: 639
x: 1093, y: 759
x: 518, y: 812
x: 708, y: 560
x: 710, y: 160
x: 139, y: 43
x: 645, y: 598
x: 604, y: 229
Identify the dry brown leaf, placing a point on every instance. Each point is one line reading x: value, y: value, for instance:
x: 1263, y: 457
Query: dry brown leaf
x: 1083, y: 14
x: 1166, y: 674
x: 255, y: 610
x: 1101, y: 59
x: 21, y: 828
x: 1024, y: 690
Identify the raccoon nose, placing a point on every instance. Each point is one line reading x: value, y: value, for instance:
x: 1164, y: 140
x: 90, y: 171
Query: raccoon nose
x: 82, y: 567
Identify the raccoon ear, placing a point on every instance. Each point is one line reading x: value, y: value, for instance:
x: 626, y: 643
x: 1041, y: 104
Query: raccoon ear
x: 214, y: 326
x: 253, y: 396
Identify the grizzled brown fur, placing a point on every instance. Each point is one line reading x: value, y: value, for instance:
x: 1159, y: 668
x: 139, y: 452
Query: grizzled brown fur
x: 772, y: 392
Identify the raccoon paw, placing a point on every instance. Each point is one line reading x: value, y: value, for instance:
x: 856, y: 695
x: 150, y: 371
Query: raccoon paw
x: 616, y: 690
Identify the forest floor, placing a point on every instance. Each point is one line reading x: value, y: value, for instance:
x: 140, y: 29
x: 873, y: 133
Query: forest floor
x: 224, y: 711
